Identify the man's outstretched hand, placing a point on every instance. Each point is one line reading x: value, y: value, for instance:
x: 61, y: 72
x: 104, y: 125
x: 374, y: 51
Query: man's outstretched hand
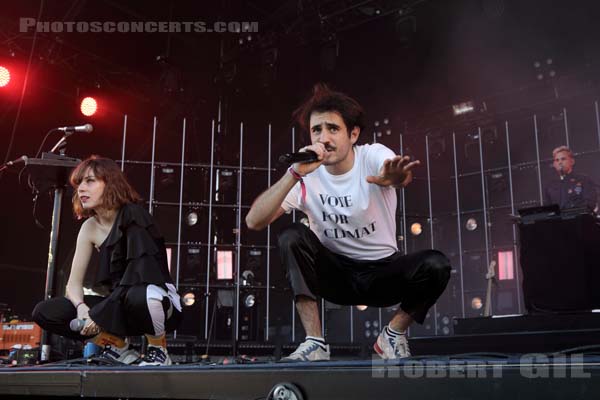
x: 395, y: 172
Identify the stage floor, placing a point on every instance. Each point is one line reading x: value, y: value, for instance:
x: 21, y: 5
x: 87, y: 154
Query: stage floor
x: 526, y: 364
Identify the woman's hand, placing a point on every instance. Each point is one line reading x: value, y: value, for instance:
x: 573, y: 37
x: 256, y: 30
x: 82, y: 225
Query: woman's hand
x: 83, y: 311
x: 90, y: 328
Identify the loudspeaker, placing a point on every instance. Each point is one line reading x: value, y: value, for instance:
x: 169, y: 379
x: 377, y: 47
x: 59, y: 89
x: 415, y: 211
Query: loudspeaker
x: 560, y: 259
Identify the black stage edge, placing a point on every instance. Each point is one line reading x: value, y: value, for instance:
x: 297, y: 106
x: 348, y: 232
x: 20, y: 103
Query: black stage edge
x: 510, y: 342
x: 415, y: 378
x: 528, y: 323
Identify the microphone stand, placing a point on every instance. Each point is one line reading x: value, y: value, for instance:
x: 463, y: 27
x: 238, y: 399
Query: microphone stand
x: 59, y: 192
x: 60, y: 145
x: 490, y: 277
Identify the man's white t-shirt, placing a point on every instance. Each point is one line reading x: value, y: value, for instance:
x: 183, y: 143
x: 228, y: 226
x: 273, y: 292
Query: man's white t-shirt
x: 349, y: 215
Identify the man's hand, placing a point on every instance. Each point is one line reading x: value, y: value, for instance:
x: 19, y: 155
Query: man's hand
x: 306, y: 168
x: 395, y: 172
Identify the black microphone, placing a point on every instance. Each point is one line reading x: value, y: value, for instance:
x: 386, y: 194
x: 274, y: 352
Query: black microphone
x: 307, y: 156
x: 69, y: 130
x: 561, y: 173
x: 76, y: 325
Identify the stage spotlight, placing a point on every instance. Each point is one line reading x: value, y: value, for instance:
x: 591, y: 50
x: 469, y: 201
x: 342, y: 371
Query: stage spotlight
x: 471, y: 224
x: 367, y: 333
x: 445, y: 320
x: 190, y: 270
x: 166, y: 176
x: 192, y: 218
x: 193, y: 250
x: 416, y: 229
x: 4, y: 76
x: 255, y: 252
x: 463, y: 108
x: 249, y: 300
x: 251, y: 267
x: 367, y: 324
x: 544, y: 69
x: 476, y: 303
x: 89, y: 106
x: 361, y: 308
x: 189, y: 299
x: 247, y: 278
x: 225, y: 186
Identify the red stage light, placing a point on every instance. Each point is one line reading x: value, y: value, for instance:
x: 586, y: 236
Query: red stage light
x: 89, y: 106
x: 4, y: 76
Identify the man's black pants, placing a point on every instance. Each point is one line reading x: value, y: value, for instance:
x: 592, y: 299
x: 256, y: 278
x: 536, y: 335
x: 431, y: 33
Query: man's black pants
x: 415, y: 280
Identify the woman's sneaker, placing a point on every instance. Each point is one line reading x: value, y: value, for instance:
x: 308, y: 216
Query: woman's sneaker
x: 309, y: 350
x: 390, y: 345
x: 156, y: 355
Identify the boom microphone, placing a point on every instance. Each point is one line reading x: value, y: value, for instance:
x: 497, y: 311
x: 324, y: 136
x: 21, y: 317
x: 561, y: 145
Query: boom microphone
x: 307, y: 156
x: 87, y: 128
x: 13, y: 162
x: 18, y: 160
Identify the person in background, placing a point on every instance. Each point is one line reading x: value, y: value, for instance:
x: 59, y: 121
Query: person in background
x: 569, y: 189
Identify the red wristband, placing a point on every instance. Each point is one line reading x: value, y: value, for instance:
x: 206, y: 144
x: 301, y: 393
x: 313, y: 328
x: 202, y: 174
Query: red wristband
x: 299, y: 177
x: 295, y: 173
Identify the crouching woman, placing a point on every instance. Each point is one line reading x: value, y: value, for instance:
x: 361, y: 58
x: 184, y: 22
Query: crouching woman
x: 141, y: 299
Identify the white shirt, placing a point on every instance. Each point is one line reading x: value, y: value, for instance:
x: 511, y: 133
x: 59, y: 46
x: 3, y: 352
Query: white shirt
x: 349, y: 215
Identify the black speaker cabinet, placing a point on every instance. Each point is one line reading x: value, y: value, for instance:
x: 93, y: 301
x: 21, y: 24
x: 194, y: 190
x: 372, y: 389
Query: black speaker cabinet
x: 560, y: 258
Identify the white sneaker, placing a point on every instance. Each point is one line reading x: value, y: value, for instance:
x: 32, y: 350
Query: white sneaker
x: 156, y: 355
x: 391, y: 347
x: 125, y: 356
x: 309, y: 350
